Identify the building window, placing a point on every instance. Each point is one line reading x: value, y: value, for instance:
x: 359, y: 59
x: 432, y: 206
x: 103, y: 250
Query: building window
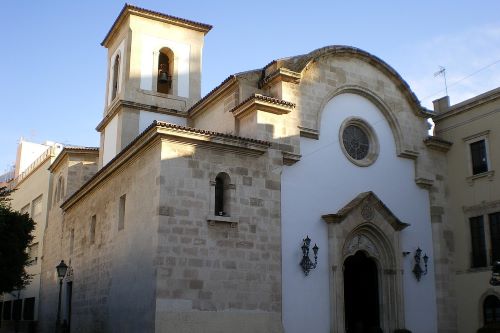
x: 222, y: 195
x: 29, y: 308
x: 478, y: 157
x: 92, y: 229
x: 116, y: 71
x: 59, y: 191
x: 358, y: 141
x: 36, y: 206
x: 25, y: 209
x: 71, y: 241
x: 165, y: 70
x: 491, y: 310
x: 33, y: 254
x: 17, y: 307
x: 7, y: 310
x: 495, y: 236
x: 478, y: 241
x: 121, y: 213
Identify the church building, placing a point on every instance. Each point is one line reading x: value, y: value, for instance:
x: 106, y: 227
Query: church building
x: 303, y: 196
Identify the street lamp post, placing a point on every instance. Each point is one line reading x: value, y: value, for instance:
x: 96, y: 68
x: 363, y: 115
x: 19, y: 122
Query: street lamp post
x: 61, y: 272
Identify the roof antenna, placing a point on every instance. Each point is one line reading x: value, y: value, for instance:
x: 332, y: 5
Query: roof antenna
x: 442, y: 71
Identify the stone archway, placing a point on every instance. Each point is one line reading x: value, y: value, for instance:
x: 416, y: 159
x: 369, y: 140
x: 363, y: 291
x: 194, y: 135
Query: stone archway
x: 366, y: 225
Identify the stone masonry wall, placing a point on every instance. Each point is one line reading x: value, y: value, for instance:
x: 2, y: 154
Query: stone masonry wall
x: 218, y: 274
x: 113, y: 276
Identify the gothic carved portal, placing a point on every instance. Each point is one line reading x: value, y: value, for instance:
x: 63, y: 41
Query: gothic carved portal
x: 366, y: 275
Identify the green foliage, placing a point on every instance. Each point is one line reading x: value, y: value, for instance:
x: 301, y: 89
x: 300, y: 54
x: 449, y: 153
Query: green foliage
x: 4, y: 196
x: 15, y: 236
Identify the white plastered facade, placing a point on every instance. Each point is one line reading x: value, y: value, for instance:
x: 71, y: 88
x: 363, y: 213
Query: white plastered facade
x: 323, y: 182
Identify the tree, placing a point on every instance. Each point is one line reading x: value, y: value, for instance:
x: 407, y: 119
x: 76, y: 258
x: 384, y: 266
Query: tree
x: 15, y: 236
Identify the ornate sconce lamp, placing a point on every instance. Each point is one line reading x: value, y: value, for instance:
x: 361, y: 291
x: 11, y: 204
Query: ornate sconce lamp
x: 495, y: 274
x: 417, y: 269
x: 62, y: 268
x: 306, y: 263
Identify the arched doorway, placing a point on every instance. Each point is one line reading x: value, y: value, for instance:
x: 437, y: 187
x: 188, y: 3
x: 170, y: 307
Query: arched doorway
x: 361, y: 294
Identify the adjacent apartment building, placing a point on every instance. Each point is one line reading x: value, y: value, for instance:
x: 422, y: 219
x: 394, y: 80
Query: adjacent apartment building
x: 472, y: 128
x: 31, y: 185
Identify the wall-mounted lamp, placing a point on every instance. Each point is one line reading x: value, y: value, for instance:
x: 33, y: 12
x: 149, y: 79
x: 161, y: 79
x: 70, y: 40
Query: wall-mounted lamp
x: 61, y: 269
x: 417, y: 269
x: 306, y: 263
x: 495, y: 274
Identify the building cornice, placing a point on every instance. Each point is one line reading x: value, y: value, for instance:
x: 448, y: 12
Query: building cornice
x: 74, y: 151
x: 280, y: 75
x: 469, y: 104
x: 119, y: 104
x: 368, y: 198
x: 262, y: 103
x: 438, y: 144
x: 138, y: 11
x: 159, y: 131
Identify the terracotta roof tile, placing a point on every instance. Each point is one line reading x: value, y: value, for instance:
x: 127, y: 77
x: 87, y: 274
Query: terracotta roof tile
x: 265, y: 99
x: 72, y: 147
x: 204, y: 98
x: 205, y: 132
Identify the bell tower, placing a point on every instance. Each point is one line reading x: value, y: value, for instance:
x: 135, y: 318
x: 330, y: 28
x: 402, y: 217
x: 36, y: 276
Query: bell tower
x: 154, y: 73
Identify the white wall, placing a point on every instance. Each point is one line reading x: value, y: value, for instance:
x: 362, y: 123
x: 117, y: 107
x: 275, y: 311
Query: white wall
x: 146, y: 118
x: 322, y: 182
x: 27, y: 153
x: 150, y: 50
x: 110, y: 137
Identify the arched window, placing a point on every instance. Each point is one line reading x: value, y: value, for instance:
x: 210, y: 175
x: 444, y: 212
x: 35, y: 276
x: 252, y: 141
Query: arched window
x: 222, y: 196
x: 491, y: 310
x: 116, y: 70
x: 165, y: 71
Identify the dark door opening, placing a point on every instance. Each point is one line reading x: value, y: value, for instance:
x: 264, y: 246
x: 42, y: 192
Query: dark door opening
x: 69, y: 296
x: 361, y: 295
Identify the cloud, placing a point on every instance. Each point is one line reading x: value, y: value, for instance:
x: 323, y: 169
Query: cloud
x: 471, y: 58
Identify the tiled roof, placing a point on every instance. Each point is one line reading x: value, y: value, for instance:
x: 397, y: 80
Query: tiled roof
x: 205, y: 132
x: 72, y: 147
x: 299, y: 62
x: 265, y: 99
x: 270, y: 100
x: 201, y: 26
x: 204, y: 98
x: 157, y: 123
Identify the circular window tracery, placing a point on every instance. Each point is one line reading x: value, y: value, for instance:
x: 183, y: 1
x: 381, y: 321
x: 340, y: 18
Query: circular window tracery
x: 358, y: 142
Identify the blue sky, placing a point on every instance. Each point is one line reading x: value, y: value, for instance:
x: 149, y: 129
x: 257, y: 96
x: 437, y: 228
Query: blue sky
x: 54, y: 69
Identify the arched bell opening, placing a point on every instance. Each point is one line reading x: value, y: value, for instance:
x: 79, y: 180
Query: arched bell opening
x: 165, y: 71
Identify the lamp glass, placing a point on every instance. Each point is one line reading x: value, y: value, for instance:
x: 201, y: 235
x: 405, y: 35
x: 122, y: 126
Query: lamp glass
x: 61, y: 269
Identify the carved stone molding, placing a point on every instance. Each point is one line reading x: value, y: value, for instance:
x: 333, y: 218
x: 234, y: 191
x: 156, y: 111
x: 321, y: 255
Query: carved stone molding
x: 361, y: 242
